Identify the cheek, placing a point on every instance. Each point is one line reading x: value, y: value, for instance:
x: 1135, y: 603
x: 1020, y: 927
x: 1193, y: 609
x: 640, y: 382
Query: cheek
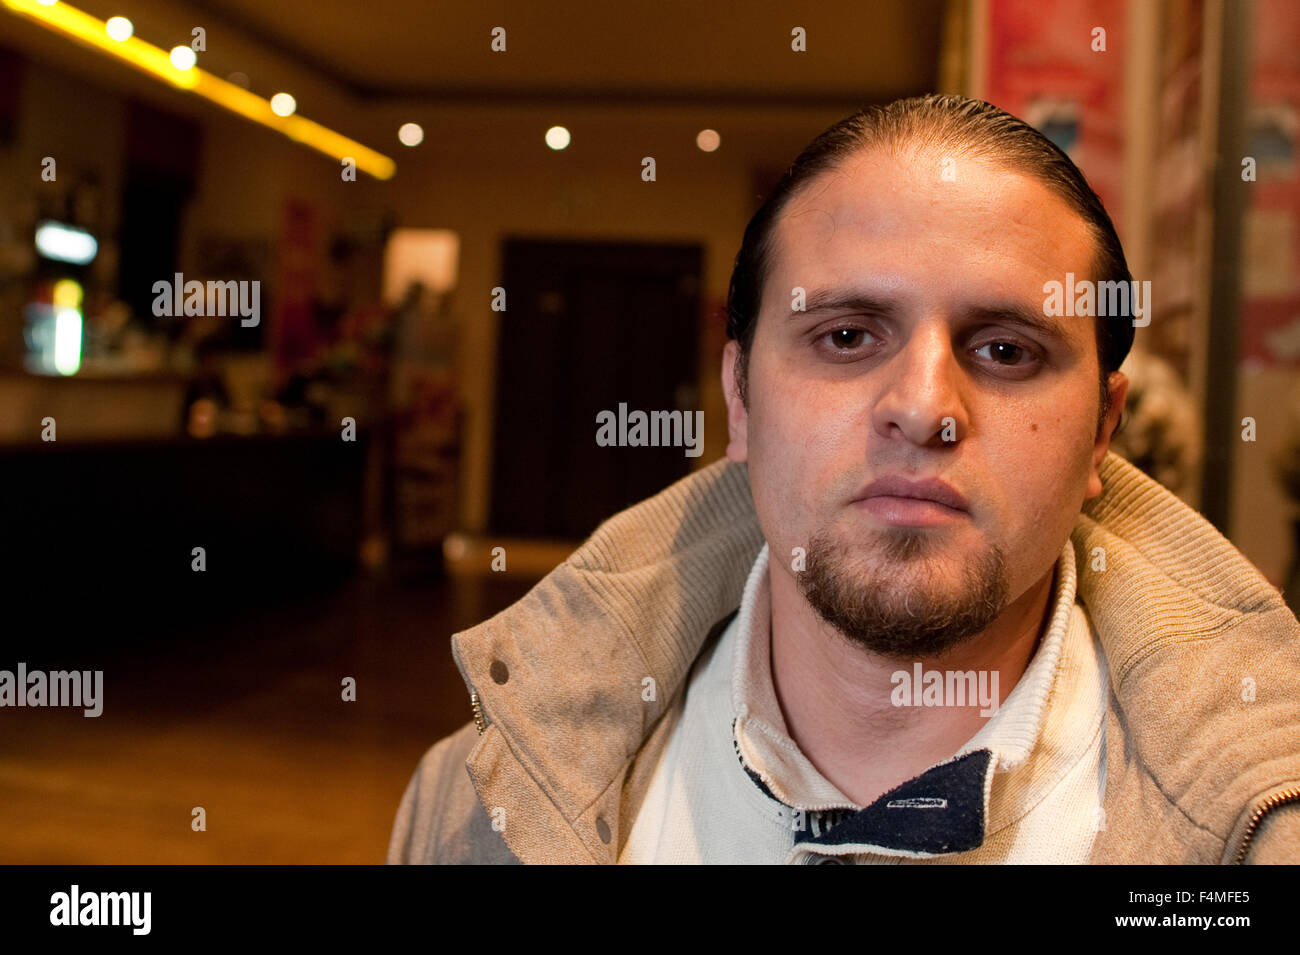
x: 779, y: 464
x: 775, y: 415
x: 800, y: 445
x: 807, y: 439
x: 1041, y: 469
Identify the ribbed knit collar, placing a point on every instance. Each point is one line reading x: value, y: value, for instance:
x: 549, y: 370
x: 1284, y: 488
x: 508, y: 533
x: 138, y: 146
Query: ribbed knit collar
x: 764, y: 738
x: 1009, y: 736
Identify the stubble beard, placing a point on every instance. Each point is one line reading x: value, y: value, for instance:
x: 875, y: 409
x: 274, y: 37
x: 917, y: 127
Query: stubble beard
x: 889, y: 595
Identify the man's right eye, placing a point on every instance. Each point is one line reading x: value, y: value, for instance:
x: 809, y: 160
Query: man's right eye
x: 843, y: 343
x: 845, y: 339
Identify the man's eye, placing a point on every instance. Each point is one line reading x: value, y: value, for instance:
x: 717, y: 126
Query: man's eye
x: 846, y: 338
x: 1007, y: 353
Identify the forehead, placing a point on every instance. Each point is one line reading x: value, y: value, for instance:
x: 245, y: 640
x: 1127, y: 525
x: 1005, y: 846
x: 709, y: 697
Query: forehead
x: 931, y: 228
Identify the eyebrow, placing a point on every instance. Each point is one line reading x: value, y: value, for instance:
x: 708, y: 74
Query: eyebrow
x: 853, y: 300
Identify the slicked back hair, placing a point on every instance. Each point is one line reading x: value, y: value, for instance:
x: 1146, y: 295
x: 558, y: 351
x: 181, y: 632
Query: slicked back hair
x: 947, y: 125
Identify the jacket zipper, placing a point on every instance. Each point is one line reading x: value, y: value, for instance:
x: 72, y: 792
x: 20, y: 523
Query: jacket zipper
x: 1262, y: 810
x: 480, y: 723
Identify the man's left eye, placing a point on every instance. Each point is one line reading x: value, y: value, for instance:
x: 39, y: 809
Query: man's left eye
x: 1006, y: 353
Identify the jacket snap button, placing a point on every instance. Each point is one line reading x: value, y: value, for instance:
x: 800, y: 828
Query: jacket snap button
x: 499, y: 671
x: 602, y: 829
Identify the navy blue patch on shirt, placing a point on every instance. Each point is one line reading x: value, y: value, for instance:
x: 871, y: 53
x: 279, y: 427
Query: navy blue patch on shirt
x: 942, y: 810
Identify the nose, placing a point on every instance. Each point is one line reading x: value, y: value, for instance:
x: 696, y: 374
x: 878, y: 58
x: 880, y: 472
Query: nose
x: 922, y: 400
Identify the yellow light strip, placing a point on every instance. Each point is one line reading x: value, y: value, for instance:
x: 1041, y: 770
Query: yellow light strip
x: 155, y: 61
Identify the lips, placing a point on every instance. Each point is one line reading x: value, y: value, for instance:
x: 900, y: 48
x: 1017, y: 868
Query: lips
x: 930, y: 489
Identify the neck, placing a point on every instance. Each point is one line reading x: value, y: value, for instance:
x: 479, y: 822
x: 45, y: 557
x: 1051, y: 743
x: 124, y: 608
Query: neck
x: 836, y: 697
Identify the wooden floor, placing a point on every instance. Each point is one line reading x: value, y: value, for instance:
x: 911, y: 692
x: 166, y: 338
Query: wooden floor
x: 244, y: 718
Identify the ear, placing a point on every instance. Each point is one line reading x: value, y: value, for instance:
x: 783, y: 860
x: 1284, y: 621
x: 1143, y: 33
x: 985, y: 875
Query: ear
x: 737, y: 414
x: 1118, y: 385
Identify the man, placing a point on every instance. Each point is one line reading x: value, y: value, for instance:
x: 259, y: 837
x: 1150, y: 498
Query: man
x: 921, y: 613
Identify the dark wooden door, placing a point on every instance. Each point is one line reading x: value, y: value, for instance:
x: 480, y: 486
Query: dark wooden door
x: 588, y: 325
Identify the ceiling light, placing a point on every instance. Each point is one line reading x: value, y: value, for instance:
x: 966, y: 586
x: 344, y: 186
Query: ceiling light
x: 119, y: 28
x: 183, y: 58
x: 708, y: 140
x: 557, y: 137
x: 411, y: 134
x: 74, y: 24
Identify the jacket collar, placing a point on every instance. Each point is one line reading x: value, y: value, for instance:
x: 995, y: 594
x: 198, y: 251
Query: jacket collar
x: 575, y: 677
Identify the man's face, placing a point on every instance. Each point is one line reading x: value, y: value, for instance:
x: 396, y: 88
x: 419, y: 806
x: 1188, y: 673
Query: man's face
x: 922, y: 372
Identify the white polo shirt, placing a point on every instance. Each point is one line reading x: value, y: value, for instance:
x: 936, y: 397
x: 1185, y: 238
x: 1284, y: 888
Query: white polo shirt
x: 731, y: 785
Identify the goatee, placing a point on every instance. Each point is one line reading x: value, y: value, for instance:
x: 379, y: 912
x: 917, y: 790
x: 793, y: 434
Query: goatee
x: 885, y: 597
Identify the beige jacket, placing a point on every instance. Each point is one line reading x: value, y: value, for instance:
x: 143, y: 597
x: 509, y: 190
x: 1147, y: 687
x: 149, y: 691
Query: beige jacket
x: 575, y: 689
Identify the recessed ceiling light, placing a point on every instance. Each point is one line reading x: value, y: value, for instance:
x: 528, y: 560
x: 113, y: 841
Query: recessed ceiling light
x: 411, y: 134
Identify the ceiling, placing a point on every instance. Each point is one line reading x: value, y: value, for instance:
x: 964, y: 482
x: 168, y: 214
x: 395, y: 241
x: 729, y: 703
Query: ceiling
x: 360, y: 67
x: 670, y: 49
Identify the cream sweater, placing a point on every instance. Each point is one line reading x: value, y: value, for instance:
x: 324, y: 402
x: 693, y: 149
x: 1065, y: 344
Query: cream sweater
x: 576, y: 689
